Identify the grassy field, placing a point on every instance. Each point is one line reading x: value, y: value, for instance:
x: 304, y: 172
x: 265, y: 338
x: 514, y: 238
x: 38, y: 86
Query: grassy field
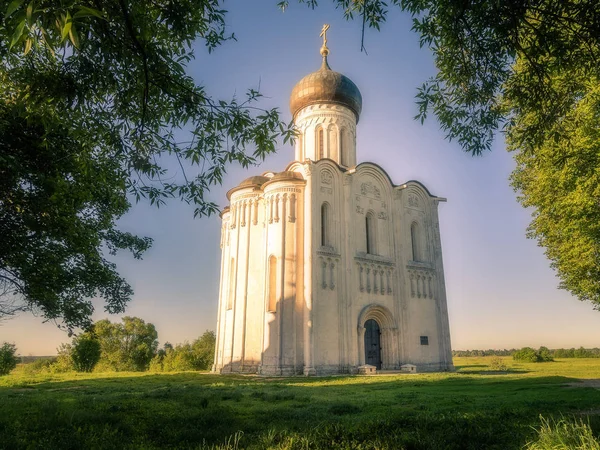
x: 472, y: 408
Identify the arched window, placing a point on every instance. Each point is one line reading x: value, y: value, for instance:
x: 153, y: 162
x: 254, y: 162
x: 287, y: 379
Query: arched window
x: 272, y: 294
x: 332, y: 147
x: 231, y: 292
x: 320, y: 138
x: 414, y: 239
x: 325, y: 225
x: 370, y: 233
x: 343, y: 147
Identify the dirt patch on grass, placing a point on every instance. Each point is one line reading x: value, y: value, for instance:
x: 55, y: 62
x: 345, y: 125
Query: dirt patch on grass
x: 591, y: 382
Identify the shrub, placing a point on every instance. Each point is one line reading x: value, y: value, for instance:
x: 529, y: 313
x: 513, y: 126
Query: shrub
x: 497, y: 363
x: 564, y: 435
x: 64, y: 360
x: 528, y: 354
x: 8, y: 360
x: 40, y: 365
x: 85, y: 352
x: 156, y: 363
x: 544, y: 354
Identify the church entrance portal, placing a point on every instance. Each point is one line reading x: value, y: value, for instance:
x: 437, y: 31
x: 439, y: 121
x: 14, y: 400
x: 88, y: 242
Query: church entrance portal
x: 372, y: 343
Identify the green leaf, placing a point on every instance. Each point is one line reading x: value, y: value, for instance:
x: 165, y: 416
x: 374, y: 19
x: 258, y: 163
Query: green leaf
x: 17, y: 34
x: 28, y: 44
x: 74, y: 37
x: 66, y: 28
x: 84, y: 11
x: 12, y: 7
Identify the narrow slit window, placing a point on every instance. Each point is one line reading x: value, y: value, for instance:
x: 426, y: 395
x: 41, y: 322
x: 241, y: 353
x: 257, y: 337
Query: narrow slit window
x: 324, y: 224
x: 320, y: 143
x: 414, y: 237
x: 343, y: 147
x: 272, y: 294
x: 370, y: 233
x: 231, y: 293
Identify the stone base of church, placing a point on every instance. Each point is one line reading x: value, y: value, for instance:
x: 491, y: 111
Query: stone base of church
x: 309, y: 372
x: 319, y: 370
x: 278, y: 371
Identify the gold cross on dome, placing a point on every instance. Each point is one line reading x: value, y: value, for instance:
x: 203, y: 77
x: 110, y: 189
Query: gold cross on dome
x: 324, y: 34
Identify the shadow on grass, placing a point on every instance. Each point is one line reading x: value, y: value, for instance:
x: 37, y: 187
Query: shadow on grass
x: 495, y: 372
x: 431, y: 411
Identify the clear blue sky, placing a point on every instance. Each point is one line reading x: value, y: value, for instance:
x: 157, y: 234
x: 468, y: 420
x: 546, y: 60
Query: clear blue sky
x: 501, y: 291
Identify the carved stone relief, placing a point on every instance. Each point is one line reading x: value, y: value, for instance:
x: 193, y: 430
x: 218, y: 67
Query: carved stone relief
x: 413, y: 200
x: 326, y: 177
x: 370, y: 189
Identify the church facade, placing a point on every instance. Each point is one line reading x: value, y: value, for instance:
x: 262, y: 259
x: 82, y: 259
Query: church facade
x: 329, y: 265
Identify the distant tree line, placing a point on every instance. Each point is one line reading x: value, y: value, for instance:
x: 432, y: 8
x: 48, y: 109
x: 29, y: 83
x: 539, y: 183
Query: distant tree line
x: 554, y: 353
x: 131, y: 345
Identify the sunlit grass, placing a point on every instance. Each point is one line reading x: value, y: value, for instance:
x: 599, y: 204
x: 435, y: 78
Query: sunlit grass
x: 472, y: 408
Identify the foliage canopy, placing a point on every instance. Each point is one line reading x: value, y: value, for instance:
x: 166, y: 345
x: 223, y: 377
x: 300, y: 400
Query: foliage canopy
x: 8, y: 358
x: 129, y: 345
x: 531, y: 69
x: 95, y: 101
x: 198, y: 355
x: 85, y: 352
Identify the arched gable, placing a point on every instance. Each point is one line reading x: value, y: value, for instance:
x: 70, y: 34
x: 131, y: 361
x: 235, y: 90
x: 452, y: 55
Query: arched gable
x: 377, y: 175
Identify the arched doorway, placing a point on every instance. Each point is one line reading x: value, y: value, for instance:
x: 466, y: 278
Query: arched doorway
x: 373, y: 343
x: 378, y: 343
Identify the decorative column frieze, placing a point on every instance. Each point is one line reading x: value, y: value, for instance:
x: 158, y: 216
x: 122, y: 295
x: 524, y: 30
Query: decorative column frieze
x: 421, y: 282
x: 374, y: 277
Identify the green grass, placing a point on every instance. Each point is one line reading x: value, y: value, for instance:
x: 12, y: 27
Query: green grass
x: 473, y: 408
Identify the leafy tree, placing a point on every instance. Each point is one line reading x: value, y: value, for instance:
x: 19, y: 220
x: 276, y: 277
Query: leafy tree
x: 528, y: 68
x: 526, y: 354
x: 129, y: 345
x: 95, y: 100
x: 581, y: 353
x: 195, y: 356
x: 8, y: 360
x: 204, y: 350
x: 64, y: 359
x: 86, y: 352
x: 545, y: 354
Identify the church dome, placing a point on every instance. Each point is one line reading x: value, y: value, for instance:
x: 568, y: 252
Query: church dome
x: 326, y: 86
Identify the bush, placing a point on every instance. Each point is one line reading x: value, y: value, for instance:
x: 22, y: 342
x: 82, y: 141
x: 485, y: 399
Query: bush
x: 528, y: 354
x: 85, y: 352
x: 64, y: 360
x: 40, y: 365
x: 497, y: 363
x: 544, y: 354
x: 8, y: 360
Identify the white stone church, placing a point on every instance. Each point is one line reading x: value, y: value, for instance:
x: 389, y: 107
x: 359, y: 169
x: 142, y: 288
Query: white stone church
x: 329, y: 265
